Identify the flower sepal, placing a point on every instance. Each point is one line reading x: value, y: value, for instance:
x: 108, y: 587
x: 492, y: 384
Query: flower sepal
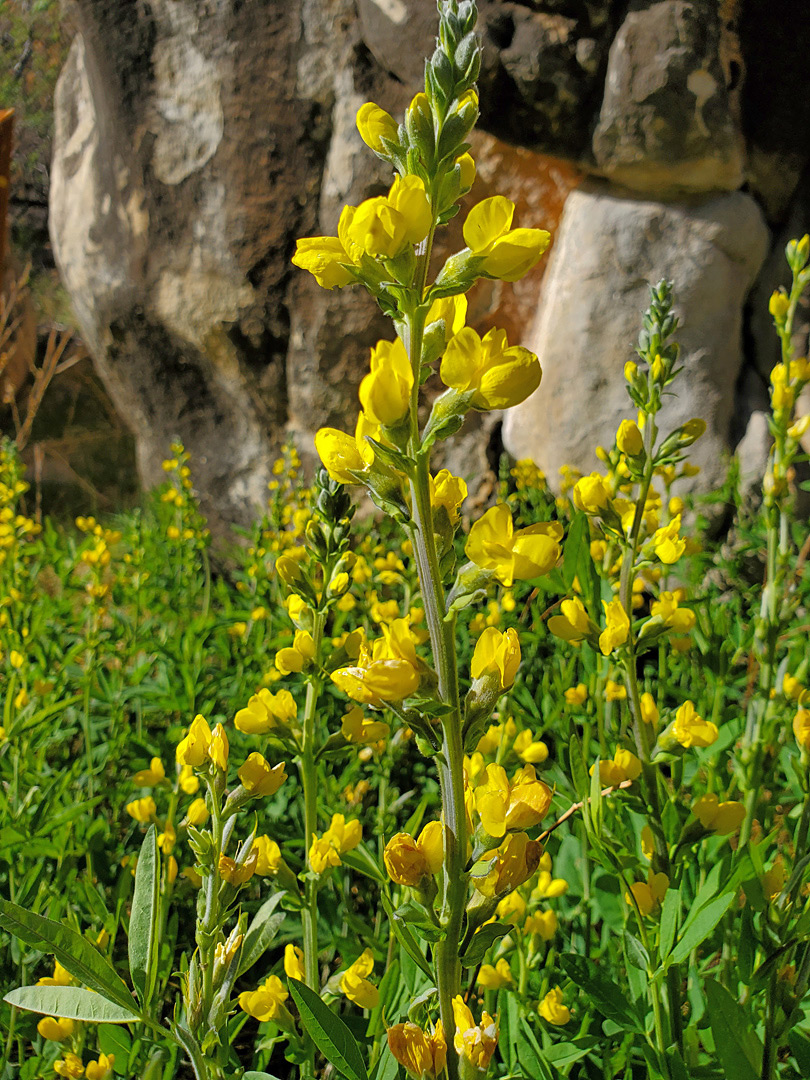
x: 446, y: 416
x: 472, y: 582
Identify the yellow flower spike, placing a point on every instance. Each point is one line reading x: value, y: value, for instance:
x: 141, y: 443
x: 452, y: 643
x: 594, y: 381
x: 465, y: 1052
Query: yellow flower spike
x: 219, y: 748
x: 269, y: 859
x: 294, y: 963
x: 474, y: 1042
x: 422, y: 1055
x: 591, y: 494
x: 552, y: 1010
x: 514, y: 862
x: 617, y: 629
x: 493, y: 978
x: 496, y: 657
x: 142, y: 810
x: 267, y: 1002
x: 690, y: 730
x: 55, y: 1029
x: 355, y: 984
x: 152, y: 776
x: 193, y: 749
x: 447, y: 491
x: 266, y: 711
x: 501, y: 376
x: 70, y: 1065
x: 576, y: 695
x: 493, y: 544
x: 356, y: 729
x: 101, y: 1068
x: 801, y: 728
x: 385, y: 393
x: 528, y: 750
x: 629, y: 439
x: 259, y: 778
x: 375, y: 124
x: 721, y: 818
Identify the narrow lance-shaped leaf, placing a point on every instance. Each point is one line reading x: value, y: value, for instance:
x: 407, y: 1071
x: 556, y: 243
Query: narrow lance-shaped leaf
x: 143, y: 921
x: 73, y: 1002
x: 328, y: 1032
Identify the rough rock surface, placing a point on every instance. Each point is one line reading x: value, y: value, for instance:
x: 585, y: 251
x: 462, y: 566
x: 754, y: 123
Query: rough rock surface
x: 666, y: 123
x: 608, y: 248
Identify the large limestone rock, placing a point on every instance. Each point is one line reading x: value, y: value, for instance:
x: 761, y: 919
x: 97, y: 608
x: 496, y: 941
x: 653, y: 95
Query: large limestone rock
x: 609, y: 246
x: 666, y: 124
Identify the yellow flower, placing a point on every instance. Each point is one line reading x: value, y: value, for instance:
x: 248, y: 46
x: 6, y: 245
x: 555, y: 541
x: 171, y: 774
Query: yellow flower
x: 152, y: 776
x: 801, y: 728
x: 542, y: 923
x: 167, y: 839
x: 500, y: 376
x: 528, y: 750
x: 386, y: 669
x: 591, y: 494
x: 649, y: 710
x: 385, y: 393
x: 493, y: 978
x: 269, y: 860
x: 70, y: 1065
x: 197, y: 813
x: 617, y: 629
x: 266, y: 711
x: 16, y: 659
x: 791, y: 687
x: 326, y: 257
x: 493, y: 544
x: 259, y: 778
x: 624, y: 766
x: 504, y: 807
x: 339, y: 838
x: 236, y: 874
x: 374, y: 125
x: 629, y: 439
x: 55, y: 1029
x: 294, y: 963
x: 773, y: 880
x: 513, y: 863
x: 722, y: 818
x: 496, y: 657
x: 447, y: 491
x: 296, y: 657
x: 508, y: 253
x: 188, y: 781
x: 689, y: 729
x: 452, y: 310
x: 385, y: 226
x: 267, y: 1002
x: 551, y: 1008
x: 648, y: 894
x: 548, y: 887
x: 100, y: 1069
x: 615, y: 691
x: 218, y: 748
x: 668, y: 545
x: 667, y: 606
x: 512, y: 908
x: 356, y: 729
x: 61, y: 976
x: 143, y: 810
x: 410, y: 861
x: 576, y: 695
x: 355, y: 984
x: 474, y: 1042
x: 421, y: 1054
x: 341, y: 455
x: 193, y: 749
x: 573, y: 624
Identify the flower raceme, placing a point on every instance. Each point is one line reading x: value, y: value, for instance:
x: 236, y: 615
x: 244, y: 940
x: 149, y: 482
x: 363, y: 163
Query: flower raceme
x: 507, y: 253
x: 420, y: 1053
x: 504, y: 807
x: 500, y: 376
x: 410, y: 861
x: 494, y: 544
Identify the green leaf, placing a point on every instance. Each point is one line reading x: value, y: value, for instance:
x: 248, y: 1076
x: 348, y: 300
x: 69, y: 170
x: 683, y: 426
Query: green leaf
x: 328, y: 1032
x: 261, y: 932
x: 143, y: 922
x: 481, y: 942
x: 530, y: 1058
x: 738, y: 1045
x: 361, y: 860
x: 72, y: 1002
x: 75, y: 953
x: 568, y: 1053
x: 602, y: 990
x: 258, y: 1076
x: 700, y: 924
x: 577, y: 535
x: 404, y: 936
x: 669, y: 922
